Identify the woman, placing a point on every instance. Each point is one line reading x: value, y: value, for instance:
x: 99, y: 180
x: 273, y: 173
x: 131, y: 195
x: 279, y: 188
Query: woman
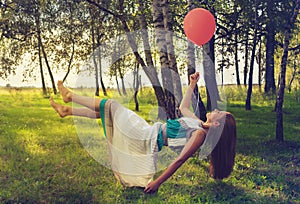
x: 133, y: 143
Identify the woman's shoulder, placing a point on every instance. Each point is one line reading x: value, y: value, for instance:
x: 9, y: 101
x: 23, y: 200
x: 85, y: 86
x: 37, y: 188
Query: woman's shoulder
x: 190, y: 122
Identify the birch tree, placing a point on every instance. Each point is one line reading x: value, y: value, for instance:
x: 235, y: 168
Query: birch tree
x: 166, y: 72
x: 280, y: 93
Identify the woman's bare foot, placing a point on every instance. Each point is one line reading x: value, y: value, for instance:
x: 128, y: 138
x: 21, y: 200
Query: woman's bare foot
x: 61, y: 110
x: 65, y: 93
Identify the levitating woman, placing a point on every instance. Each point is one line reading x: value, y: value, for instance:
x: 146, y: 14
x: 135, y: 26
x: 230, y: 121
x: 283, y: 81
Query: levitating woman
x: 133, y: 144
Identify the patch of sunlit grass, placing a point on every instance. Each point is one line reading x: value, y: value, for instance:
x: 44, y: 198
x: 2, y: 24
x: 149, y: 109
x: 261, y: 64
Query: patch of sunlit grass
x: 30, y: 140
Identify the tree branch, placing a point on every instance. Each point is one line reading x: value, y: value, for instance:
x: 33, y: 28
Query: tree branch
x: 103, y: 9
x: 6, y: 6
x: 291, y: 48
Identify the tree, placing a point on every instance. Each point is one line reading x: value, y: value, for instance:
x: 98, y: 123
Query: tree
x: 270, y: 46
x: 236, y: 49
x: 37, y: 15
x: 259, y: 61
x: 46, y: 30
x: 95, y: 45
x: 277, y: 12
x: 250, y: 82
x: 166, y: 72
x: 38, y: 27
x: 168, y: 27
x: 149, y: 67
x: 295, y: 70
x: 280, y: 93
x: 72, y: 21
x: 97, y: 32
x: 16, y: 27
x: 136, y: 83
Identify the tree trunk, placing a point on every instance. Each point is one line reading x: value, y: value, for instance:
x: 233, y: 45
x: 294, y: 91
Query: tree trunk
x: 41, y: 69
x: 168, y: 23
x: 94, y: 53
x: 136, y: 86
x: 236, y: 51
x: 100, y: 72
x: 221, y: 68
x: 236, y: 59
x: 70, y: 61
x: 41, y: 46
x: 71, y: 21
x: 280, y: 94
x: 259, y: 62
x: 210, y: 73
x: 37, y: 19
x: 122, y: 77
x: 99, y: 56
x: 250, y: 81
x: 166, y: 72
x: 294, y: 73
x: 38, y: 27
x: 270, y: 49
x: 210, y: 78
x: 149, y: 69
x: 246, y: 60
x: 49, y: 69
x: 197, y: 103
x: 117, y: 82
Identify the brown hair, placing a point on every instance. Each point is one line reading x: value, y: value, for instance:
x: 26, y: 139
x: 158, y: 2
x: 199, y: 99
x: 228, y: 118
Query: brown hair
x: 223, y: 155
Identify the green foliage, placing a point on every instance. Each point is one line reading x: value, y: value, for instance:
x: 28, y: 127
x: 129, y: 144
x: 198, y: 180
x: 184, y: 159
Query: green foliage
x: 43, y: 161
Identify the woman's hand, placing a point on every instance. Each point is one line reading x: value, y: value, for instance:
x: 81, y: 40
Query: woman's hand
x: 194, y: 78
x: 152, y: 187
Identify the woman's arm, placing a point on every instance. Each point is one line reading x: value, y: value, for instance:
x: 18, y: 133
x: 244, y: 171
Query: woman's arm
x: 186, y: 100
x: 189, y: 149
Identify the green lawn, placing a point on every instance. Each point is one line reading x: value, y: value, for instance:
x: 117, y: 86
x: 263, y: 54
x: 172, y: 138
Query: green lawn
x: 43, y: 161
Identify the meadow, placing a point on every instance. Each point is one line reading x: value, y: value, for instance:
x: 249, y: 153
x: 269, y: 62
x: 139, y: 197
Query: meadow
x: 43, y: 161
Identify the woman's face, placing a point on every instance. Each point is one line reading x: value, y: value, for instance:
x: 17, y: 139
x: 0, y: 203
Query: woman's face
x: 215, y: 116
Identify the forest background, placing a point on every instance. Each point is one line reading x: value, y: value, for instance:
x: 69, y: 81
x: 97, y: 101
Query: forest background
x: 59, y: 36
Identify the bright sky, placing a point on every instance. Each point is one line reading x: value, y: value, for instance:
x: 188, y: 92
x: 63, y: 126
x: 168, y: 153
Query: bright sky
x: 17, y: 80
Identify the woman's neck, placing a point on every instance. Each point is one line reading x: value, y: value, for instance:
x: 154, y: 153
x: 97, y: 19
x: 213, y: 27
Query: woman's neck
x: 206, y: 126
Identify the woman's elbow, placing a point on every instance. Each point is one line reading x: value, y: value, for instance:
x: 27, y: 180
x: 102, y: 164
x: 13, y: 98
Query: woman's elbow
x: 181, y: 108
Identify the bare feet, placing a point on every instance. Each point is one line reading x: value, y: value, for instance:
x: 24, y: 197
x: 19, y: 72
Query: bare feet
x: 65, y: 93
x: 61, y: 110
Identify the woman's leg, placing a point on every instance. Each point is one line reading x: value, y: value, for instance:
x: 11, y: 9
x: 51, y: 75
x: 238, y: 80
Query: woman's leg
x: 64, y: 111
x: 69, y: 96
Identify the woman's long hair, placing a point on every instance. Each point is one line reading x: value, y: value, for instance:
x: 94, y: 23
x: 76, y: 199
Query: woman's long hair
x: 223, y: 155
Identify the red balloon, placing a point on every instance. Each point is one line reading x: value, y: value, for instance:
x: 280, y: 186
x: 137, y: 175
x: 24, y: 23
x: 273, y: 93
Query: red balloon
x: 199, y: 26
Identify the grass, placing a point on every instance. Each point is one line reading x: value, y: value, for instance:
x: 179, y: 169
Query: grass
x: 43, y: 161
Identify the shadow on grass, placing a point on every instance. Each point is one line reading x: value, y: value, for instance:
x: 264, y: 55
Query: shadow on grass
x: 211, y: 192
x: 267, y: 166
